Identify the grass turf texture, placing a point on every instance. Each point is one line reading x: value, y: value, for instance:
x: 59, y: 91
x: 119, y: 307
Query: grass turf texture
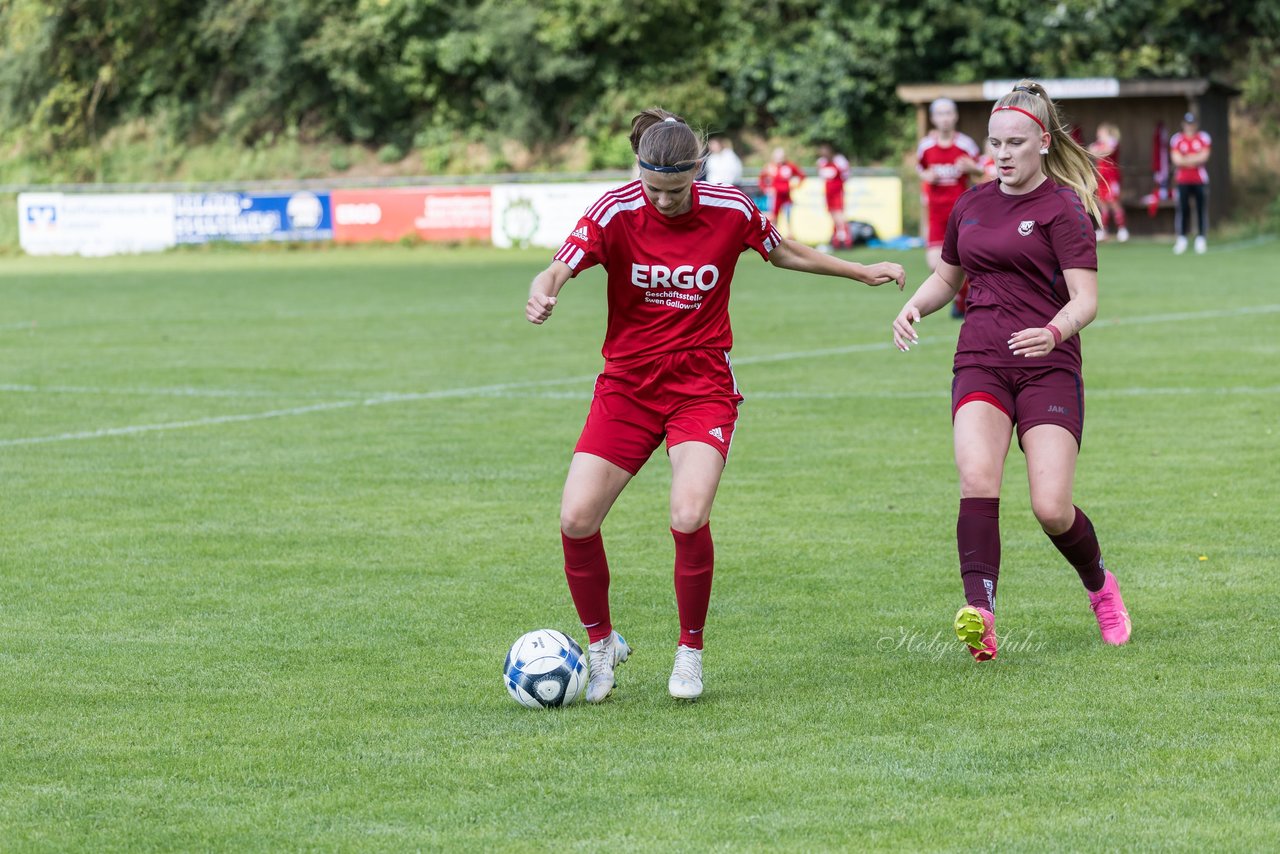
x: 286, y: 632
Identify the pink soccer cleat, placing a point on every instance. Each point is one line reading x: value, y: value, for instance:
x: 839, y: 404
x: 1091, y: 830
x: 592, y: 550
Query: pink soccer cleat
x: 1113, y: 619
x: 976, y: 628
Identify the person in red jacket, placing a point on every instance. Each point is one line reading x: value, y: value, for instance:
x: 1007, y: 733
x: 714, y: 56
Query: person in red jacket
x: 777, y: 179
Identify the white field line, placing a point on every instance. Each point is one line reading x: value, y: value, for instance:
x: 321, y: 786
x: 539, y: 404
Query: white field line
x: 512, y: 389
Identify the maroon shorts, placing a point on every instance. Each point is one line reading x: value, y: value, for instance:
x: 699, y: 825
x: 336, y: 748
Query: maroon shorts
x: 685, y: 396
x: 1029, y: 396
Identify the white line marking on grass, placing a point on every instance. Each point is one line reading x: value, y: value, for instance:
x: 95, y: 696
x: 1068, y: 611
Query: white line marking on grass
x: 377, y: 400
x: 508, y: 389
x: 177, y: 425
x: 1241, y: 245
x: 26, y: 324
x: 1244, y: 311
x: 911, y: 395
x: 142, y: 391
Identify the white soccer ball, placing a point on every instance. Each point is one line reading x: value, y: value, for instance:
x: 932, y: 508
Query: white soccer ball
x: 545, y: 668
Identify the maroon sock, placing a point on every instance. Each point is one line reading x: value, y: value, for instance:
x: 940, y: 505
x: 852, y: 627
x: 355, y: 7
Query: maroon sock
x: 1079, y: 545
x: 978, y: 543
x: 695, y: 561
x: 587, y: 571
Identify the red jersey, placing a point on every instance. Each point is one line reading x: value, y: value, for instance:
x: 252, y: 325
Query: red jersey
x: 777, y: 177
x: 668, y: 277
x: 834, y: 170
x: 1108, y: 162
x: 949, y: 180
x: 1194, y: 144
x: 1014, y: 249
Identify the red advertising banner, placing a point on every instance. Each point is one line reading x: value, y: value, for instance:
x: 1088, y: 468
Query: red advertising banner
x: 431, y: 213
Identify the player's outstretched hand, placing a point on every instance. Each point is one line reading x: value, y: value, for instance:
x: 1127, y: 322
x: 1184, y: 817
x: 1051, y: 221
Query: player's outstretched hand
x: 1034, y: 343
x: 886, y: 271
x: 904, y: 332
x: 539, y: 307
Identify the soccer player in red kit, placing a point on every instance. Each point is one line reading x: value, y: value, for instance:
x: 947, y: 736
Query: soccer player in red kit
x: 669, y: 245
x: 777, y: 179
x: 1106, y: 149
x: 945, y: 160
x: 1189, y: 149
x: 833, y: 169
x: 1026, y: 243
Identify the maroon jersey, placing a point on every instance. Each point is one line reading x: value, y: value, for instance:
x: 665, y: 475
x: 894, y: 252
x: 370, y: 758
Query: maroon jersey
x: 1014, y: 249
x: 668, y: 277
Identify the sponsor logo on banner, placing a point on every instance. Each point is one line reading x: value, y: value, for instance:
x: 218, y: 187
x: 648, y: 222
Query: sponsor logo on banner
x: 428, y: 213
x: 541, y: 214
x: 94, y: 223
x: 249, y: 217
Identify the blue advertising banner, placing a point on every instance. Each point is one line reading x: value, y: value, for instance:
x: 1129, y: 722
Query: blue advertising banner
x: 250, y: 217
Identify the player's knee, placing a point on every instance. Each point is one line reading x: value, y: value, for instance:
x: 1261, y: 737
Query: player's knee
x: 687, y: 518
x: 979, y: 483
x: 1053, y: 514
x: 579, y: 522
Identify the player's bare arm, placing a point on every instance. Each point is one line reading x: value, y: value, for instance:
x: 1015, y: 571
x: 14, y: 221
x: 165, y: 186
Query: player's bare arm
x: 792, y: 255
x: 544, y: 290
x: 935, y: 292
x: 1079, y: 312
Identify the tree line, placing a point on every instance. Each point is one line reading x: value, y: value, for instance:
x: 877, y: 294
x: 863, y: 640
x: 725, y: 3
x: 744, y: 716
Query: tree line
x: 417, y: 72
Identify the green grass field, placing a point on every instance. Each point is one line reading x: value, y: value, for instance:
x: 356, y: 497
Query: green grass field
x: 272, y: 519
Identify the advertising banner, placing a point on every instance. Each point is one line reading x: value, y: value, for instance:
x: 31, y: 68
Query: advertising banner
x: 250, y: 217
x: 429, y: 213
x: 94, y: 223
x: 541, y: 214
x: 874, y: 199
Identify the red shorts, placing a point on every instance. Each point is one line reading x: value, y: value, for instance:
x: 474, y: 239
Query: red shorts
x: 1108, y: 188
x: 938, y: 214
x: 779, y: 200
x: 835, y: 199
x: 686, y: 396
x: 1029, y: 396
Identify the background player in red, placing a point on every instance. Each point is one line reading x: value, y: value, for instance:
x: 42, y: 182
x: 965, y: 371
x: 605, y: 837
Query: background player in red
x: 777, y: 179
x: 833, y: 168
x: 1189, y: 149
x: 669, y: 246
x: 1106, y: 149
x: 1028, y: 247
x: 945, y: 160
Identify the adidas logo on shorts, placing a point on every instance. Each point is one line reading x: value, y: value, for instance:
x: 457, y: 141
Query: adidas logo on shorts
x: 715, y: 431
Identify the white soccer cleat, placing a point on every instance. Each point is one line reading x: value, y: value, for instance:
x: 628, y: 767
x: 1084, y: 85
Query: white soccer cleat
x: 1100, y: 234
x: 686, y: 676
x: 1122, y: 235
x: 602, y: 657
x: 1202, y: 245
x: 1179, y: 246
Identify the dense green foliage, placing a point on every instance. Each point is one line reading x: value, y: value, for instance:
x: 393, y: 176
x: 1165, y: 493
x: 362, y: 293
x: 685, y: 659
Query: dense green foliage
x: 269, y: 612
x: 401, y: 73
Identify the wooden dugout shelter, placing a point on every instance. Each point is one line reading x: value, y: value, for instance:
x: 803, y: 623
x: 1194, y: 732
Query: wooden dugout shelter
x: 1136, y: 107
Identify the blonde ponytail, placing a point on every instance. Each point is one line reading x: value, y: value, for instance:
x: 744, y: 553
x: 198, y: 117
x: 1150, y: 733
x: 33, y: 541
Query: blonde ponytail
x: 1067, y: 163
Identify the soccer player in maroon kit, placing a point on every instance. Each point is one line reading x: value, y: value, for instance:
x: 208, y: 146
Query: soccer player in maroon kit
x: 669, y: 245
x: 1027, y: 244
